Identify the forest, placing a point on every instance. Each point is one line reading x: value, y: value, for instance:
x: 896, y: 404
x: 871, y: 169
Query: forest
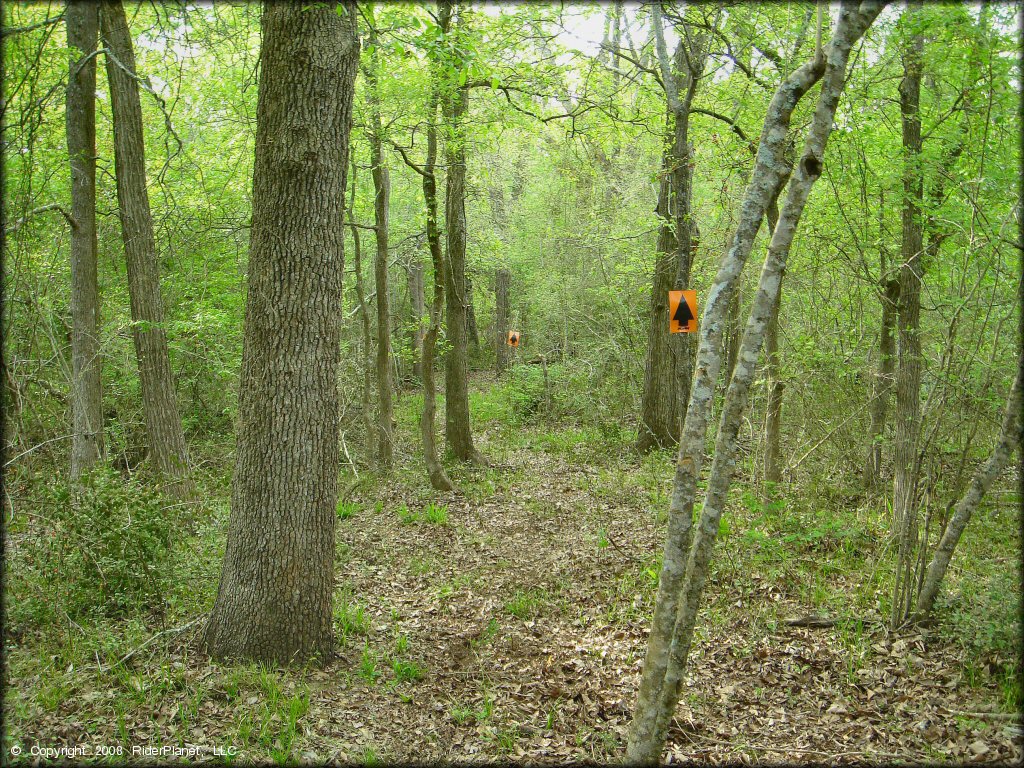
x: 520, y: 383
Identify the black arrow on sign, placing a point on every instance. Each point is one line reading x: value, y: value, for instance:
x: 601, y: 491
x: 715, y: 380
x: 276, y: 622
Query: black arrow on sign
x: 683, y: 315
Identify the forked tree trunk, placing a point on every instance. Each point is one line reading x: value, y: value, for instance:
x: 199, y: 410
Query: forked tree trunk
x: 86, y: 388
x: 668, y: 369
x: 684, y: 569
x: 381, y: 206
x: 454, y: 105
x: 366, y: 401
x: 908, y: 372
x: 159, y: 403
x: 1009, y: 441
x: 277, y: 582
x: 502, y: 279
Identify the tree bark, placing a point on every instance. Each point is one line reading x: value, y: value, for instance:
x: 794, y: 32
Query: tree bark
x: 159, y: 403
x: 381, y: 205
x: 685, y: 567
x: 364, y: 315
x: 659, y: 408
x: 668, y: 369
x: 417, y: 303
x: 1009, y: 441
x: 471, y: 330
x: 879, y: 408
x: 275, y: 594
x: 435, y: 471
x: 454, y: 105
x: 774, y: 383
x: 908, y: 372
x: 82, y: 21
x: 502, y: 279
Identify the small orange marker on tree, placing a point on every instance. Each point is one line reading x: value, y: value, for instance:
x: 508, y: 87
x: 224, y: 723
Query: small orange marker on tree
x: 513, y: 338
x: 682, y: 311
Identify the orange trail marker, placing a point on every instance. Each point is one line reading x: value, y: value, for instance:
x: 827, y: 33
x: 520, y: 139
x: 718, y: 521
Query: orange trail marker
x: 513, y: 338
x: 682, y: 311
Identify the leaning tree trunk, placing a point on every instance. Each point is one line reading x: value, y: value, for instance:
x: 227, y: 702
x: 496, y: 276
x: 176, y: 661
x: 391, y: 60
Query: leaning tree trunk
x: 1009, y: 441
x: 276, y: 586
x: 454, y: 105
x: 684, y: 569
x: 381, y: 205
x: 908, y: 372
x: 502, y: 279
x: 159, y: 403
x: 86, y: 389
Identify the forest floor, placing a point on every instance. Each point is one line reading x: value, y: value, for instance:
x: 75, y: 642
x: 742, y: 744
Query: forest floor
x: 508, y: 623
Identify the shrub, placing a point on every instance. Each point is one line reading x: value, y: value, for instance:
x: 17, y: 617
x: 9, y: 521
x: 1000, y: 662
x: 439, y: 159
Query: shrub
x: 109, y: 547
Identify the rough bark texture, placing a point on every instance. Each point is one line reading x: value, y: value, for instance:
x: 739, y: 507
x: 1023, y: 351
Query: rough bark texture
x: 366, y: 401
x: 381, y: 207
x: 685, y: 567
x: 659, y: 403
x: 418, y: 305
x: 159, y: 403
x: 908, y: 371
x: 882, y: 386
x: 502, y: 279
x: 774, y: 383
x: 1009, y: 441
x: 472, y: 334
x: 454, y: 105
x: 86, y: 389
x: 668, y: 369
x: 274, y: 599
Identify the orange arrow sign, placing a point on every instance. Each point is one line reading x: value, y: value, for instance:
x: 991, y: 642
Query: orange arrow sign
x: 513, y: 338
x: 682, y: 311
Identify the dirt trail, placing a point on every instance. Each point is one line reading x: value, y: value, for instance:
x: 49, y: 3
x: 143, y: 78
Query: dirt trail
x: 530, y: 600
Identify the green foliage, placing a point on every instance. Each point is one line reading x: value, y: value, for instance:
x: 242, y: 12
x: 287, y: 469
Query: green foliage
x: 346, y: 509
x: 107, y: 548
x: 527, y: 603
x: 349, y: 616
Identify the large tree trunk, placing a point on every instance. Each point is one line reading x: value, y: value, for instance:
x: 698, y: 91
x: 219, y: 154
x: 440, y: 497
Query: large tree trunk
x: 381, y: 205
x: 684, y: 569
x: 159, y: 403
x: 275, y: 595
x: 668, y: 370
x: 366, y: 404
x: 502, y: 280
x: 659, y: 403
x: 454, y: 105
x: 86, y: 389
x: 908, y: 372
x: 1009, y: 441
